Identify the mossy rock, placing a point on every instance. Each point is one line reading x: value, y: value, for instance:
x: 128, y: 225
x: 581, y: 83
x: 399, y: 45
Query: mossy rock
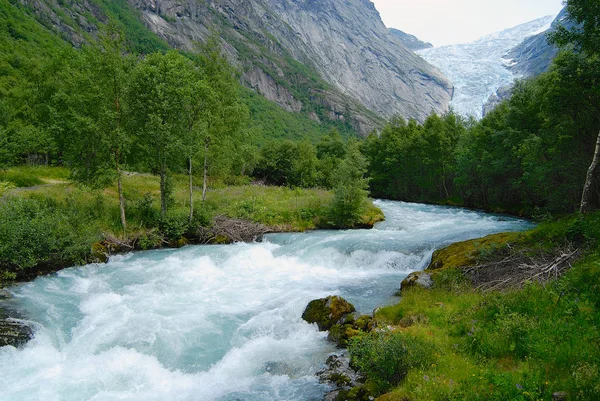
x: 326, y: 312
x: 341, y: 334
x: 99, y: 253
x: 366, y: 392
x: 180, y: 243
x: 467, y: 253
x: 222, y: 240
x: 364, y: 323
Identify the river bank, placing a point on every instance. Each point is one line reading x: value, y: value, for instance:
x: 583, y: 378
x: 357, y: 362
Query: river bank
x: 46, y: 228
x: 509, y: 316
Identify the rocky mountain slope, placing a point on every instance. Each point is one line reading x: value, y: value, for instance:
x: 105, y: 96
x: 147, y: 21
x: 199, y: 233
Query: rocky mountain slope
x: 333, y: 60
x: 410, y: 41
x: 478, y: 69
x: 534, y: 55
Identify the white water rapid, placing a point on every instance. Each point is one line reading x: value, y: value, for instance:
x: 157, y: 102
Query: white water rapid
x: 216, y: 323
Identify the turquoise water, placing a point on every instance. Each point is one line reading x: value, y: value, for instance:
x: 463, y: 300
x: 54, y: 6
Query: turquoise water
x: 216, y: 323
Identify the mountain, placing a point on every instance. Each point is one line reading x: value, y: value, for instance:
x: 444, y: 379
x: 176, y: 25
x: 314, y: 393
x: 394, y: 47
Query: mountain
x: 534, y: 55
x: 410, y: 41
x: 478, y: 69
x: 330, y: 60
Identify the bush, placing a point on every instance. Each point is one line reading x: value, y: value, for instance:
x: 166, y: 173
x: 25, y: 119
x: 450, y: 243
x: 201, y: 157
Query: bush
x: 40, y: 230
x: 174, y: 224
x: 387, y: 357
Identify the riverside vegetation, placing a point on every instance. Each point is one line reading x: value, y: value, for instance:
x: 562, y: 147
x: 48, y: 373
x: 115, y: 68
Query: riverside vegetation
x: 511, y: 316
x: 536, y: 155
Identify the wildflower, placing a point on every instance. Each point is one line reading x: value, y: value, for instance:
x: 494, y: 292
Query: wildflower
x: 519, y: 387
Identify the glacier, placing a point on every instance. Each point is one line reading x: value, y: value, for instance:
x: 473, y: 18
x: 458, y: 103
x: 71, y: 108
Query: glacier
x: 478, y: 69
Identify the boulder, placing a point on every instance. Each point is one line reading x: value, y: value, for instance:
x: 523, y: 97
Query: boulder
x: 326, y: 312
x: 14, y: 333
x: 560, y: 396
x: 417, y: 279
x: 99, y: 253
x: 348, y: 383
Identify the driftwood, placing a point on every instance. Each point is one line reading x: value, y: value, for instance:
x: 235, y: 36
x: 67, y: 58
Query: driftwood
x: 229, y: 230
x: 519, y: 268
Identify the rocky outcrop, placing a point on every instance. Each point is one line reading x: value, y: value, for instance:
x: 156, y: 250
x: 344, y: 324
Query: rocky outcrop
x: 349, y: 384
x: 410, y: 41
x: 503, y: 93
x: 270, y: 89
x: 351, y: 48
x: 535, y: 54
x: 13, y: 332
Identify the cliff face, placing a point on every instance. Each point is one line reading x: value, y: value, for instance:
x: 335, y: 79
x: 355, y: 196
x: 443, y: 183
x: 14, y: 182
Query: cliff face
x: 345, y: 42
x: 410, y: 41
x: 535, y: 54
x: 330, y: 59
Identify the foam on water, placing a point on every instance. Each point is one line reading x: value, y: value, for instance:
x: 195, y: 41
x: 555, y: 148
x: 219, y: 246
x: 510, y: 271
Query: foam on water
x: 216, y: 323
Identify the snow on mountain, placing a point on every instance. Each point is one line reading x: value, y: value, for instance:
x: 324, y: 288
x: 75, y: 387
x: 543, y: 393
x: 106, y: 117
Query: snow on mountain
x: 477, y: 69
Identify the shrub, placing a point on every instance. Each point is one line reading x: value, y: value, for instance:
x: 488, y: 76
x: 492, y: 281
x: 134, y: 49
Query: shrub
x: 386, y: 358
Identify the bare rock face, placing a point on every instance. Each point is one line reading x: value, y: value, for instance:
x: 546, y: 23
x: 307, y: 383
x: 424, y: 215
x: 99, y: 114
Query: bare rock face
x: 344, y: 41
x: 535, y: 54
x: 410, y: 41
x: 331, y: 59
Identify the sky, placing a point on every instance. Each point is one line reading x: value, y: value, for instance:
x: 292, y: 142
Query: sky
x: 443, y: 22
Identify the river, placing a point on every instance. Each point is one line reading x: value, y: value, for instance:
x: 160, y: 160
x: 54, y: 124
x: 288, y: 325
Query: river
x: 216, y: 323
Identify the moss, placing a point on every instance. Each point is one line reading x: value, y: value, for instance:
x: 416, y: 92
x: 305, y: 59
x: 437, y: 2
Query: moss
x: 467, y: 253
x: 326, y: 312
x: 99, y: 253
x: 339, y: 379
x: 341, y: 334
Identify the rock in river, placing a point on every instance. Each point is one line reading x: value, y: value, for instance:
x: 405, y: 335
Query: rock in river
x: 326, y: 312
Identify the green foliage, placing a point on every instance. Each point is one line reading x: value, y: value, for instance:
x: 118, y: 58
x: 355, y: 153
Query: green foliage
x: 386, y: 358
x: 288, y: 163
x: 41, y: 231
x: 350, y: 191
x: 586, y: 37
x: 413, y: 162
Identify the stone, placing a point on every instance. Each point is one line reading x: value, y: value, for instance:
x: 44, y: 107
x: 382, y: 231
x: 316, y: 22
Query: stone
x: 560, y: 396
x: 326, y: 312
x: 340, y: 374
x: 417, y: 279
x: 99, y: 253
x: 14, y: 333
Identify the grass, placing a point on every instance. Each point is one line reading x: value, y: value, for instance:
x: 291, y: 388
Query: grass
x: 30, y: 176
x: 517, y: 345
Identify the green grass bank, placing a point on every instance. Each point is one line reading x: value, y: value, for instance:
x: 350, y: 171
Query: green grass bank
x: 48, y: 222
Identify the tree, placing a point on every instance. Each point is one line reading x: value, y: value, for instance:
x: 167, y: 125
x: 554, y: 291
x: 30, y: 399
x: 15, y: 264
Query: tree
x: 350, y: 191
x: 95, y: 84
x: 225, y: 114
x: 585, y: 37
x: 163, y: 108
